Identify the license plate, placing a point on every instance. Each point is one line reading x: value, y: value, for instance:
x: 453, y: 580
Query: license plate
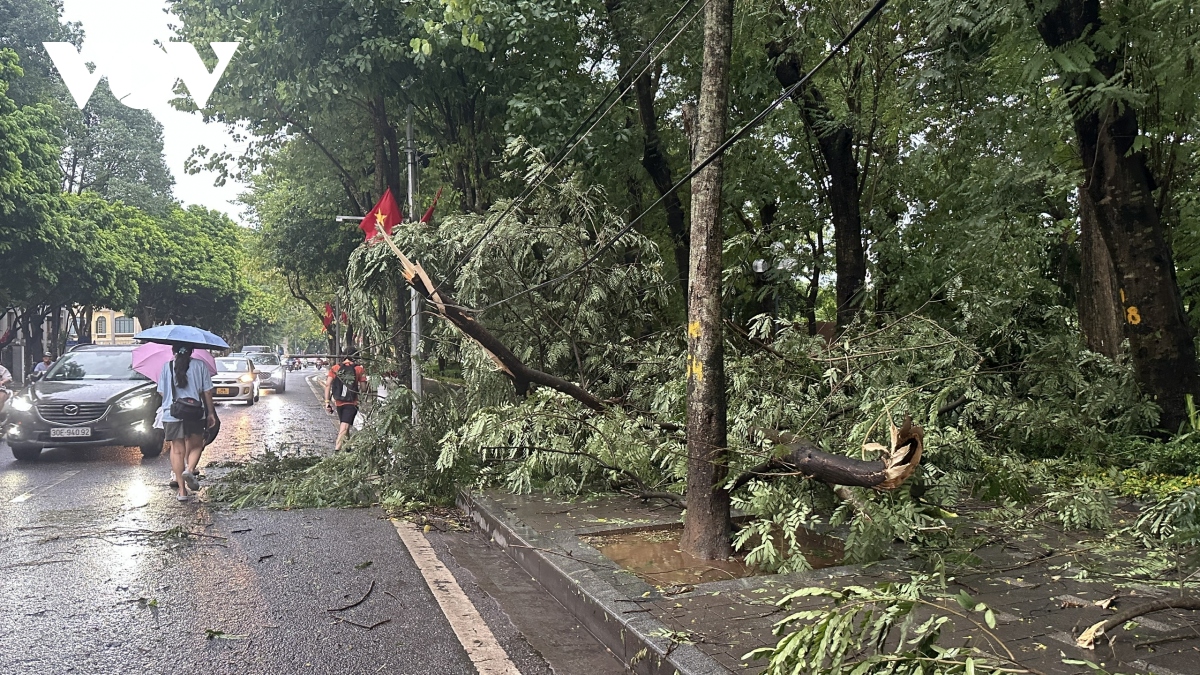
x: 222, y: 391
x: 71, y: 432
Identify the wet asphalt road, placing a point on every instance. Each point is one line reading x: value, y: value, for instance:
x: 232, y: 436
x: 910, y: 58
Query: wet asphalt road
x: 94, y: 577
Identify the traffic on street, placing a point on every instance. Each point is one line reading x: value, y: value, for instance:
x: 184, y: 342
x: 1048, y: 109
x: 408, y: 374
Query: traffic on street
x: 103, y: 571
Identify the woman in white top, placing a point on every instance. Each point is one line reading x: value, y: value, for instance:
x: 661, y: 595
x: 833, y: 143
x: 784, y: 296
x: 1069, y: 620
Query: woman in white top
x: 186, y: 378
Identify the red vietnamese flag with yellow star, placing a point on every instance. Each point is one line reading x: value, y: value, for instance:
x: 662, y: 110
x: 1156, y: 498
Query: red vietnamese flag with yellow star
x: 385, y: 216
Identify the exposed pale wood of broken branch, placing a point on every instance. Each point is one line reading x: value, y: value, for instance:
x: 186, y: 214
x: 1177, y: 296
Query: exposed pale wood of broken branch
x: 804, y: 458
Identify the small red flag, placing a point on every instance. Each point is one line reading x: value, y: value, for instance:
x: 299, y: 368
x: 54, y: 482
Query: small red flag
x: 429, y: 214
x: 386, y: 215
x: 343, y: 318
x: 328, y: 318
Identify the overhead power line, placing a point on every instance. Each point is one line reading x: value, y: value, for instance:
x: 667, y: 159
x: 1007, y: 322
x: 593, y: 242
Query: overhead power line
x: 590, y: 122
x: 737, y: 136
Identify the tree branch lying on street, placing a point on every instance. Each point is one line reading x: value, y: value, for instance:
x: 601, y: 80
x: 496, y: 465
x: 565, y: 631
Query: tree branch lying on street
x: 1088, y: 638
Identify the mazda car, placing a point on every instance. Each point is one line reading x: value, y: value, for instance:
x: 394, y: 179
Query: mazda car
x: 272, y: 374
x: 91, y: 396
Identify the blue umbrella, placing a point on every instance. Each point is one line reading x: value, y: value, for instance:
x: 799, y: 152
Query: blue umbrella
x: 177, y: 334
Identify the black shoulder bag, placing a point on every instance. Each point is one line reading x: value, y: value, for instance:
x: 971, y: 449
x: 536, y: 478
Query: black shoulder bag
x: 185, y: 409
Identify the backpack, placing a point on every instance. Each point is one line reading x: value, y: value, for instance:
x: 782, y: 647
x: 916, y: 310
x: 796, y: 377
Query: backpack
x: 345, y: 385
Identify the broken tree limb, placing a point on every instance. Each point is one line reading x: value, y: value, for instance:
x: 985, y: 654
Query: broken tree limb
x: 806, y: 459
x: 1130, y: 613
x: 1088, y: 638
x: 521, y: 375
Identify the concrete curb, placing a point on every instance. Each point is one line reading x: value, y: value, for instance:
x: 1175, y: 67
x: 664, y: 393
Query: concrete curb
x: 636, y: 638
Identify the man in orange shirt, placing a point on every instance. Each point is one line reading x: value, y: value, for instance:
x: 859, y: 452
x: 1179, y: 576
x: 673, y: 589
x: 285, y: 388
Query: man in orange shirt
x: 344, y: 384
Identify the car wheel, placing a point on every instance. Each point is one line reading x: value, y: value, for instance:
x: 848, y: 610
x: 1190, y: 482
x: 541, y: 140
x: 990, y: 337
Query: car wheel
x: 151, y: 449
x: 25, y: 452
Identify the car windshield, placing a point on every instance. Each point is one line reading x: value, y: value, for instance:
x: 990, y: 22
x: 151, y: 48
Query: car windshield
x: 232, y: 365
x: 97, y: 365
x: 264, y: 359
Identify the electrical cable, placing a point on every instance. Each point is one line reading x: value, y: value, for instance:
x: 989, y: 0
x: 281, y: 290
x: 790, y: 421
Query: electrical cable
x: 738, y: 135
x: 575, y: 138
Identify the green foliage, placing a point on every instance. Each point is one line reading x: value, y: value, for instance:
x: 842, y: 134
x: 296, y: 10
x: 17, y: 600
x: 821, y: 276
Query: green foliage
x: 117, y: 152
x: 1083, y: 505
x: 392, y: 462
x: 893, y: 630
x: 29, y: 193
x: 194, y: 271
x: 1174, y: 520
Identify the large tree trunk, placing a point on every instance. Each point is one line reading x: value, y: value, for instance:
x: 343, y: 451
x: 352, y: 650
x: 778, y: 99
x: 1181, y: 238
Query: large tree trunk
x: 654, y: 158
x: 1099, y: 301
x: 1121, y: 187
x: 83, y: 325
x: 706, y: 528
x: 835, y: 140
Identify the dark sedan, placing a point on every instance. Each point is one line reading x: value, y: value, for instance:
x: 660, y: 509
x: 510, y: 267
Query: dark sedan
x: 90, y: 397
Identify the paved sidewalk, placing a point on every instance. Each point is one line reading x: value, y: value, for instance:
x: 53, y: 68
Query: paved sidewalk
x: 1044, y: 590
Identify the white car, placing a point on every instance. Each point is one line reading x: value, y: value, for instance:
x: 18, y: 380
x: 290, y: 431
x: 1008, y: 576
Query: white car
x: 236, y: 380
x: 272, y: 374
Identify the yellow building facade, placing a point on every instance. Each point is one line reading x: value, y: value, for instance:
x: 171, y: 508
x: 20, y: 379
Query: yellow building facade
x: 110, y: 327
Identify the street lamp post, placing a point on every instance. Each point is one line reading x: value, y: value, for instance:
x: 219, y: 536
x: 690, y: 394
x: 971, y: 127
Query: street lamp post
x: 414, y: 297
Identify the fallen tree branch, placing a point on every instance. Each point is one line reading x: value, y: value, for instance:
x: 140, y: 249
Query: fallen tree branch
x: 666, y: 496
x: 1088, y: 638
x: 358, y: 602
x: 804, y: 458
x: 1149, y: 608
x: 953, y: 405
x: 521, y: 375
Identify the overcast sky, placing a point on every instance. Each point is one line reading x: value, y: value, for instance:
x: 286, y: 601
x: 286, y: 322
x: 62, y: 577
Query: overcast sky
x: 119, y: 35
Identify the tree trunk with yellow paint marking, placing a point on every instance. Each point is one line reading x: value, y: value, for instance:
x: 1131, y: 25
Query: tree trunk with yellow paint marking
x: 1121, y: 186
x: 706, y: 527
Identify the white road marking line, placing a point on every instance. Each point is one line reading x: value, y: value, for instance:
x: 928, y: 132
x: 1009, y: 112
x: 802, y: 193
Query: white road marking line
x: 474, y: 635
x: 319, y: 393
x: 36, y: 491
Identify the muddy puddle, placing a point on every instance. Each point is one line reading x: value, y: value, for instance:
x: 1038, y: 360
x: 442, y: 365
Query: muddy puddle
x: 654, y: 556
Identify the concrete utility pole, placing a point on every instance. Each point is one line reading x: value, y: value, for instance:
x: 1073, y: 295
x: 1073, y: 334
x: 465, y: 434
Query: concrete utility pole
x: 414, y: 297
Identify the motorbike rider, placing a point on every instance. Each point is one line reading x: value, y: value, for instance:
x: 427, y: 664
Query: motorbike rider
x: 40, y: 369
x: 5, y: 380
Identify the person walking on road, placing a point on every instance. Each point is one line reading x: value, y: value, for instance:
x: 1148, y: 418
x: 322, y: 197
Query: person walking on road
x: 343, y: 385
x: 187, y: 412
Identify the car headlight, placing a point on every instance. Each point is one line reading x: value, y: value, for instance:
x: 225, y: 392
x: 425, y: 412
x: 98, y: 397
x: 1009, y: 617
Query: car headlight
x: 22, y: 404
x: 134, y: 402
x: 246, y: 378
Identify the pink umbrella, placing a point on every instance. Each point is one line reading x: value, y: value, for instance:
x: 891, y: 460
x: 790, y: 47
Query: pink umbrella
x: 149, y: 359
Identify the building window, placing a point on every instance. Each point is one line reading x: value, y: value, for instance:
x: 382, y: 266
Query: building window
x: 123, y: 325
x: 101, y: 326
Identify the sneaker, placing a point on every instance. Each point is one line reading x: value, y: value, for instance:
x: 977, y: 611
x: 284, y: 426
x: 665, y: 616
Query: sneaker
x: 191, y: 481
